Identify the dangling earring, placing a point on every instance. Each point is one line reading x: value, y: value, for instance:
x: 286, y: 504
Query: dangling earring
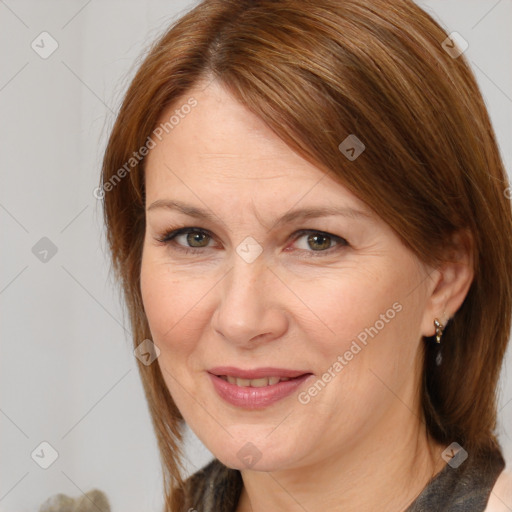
x: 439, y: 330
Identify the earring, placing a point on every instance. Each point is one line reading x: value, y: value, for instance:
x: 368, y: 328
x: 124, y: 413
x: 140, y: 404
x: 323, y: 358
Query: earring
x: 439, y: 330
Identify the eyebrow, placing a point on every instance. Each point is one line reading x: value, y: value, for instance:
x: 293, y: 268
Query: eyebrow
x: 300, y: 214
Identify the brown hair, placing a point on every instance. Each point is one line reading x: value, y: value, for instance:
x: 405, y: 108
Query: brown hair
x: 316, y: 71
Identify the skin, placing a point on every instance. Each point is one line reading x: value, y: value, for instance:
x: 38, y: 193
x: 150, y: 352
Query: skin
x: 360, y: 443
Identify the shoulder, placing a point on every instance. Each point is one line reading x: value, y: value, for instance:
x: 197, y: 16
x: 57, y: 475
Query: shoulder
x: 500, y: 499
x: 205, y: 476
x: 214, y: 488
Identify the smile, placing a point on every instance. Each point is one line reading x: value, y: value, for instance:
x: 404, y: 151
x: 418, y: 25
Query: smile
x: 256, y: 393
x: 253, y: 383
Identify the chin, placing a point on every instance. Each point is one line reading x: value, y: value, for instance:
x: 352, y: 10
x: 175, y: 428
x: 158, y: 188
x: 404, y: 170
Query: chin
x: 248, y: 455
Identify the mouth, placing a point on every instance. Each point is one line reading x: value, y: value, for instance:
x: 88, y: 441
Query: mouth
x: 256, y: 377
x: 257, y: 388
x: 256, y: 393
x: 254, y: 383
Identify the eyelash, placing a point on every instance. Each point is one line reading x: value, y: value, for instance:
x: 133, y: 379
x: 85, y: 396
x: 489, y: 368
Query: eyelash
x: 167, y: 238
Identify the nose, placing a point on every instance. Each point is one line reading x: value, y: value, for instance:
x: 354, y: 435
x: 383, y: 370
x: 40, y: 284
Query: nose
x: 250, y: 310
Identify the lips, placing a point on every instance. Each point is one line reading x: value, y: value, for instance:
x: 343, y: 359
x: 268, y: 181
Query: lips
x: 257, y: 373
x: 257, y: 397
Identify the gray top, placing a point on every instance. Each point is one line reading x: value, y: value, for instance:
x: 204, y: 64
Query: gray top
x: 465, y: 488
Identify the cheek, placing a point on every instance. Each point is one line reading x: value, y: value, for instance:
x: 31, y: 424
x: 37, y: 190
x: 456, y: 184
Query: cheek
x: 174, y: 303
x: 169, y: 307
x: 363, y: 326
x: 341, y: 307
x: 164, y: 297
x: 159, y: 304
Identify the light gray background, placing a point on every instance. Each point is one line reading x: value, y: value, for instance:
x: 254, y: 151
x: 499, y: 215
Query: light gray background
x: 67, y: 372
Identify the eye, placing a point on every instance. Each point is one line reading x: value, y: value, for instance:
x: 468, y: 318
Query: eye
x: 319, y: 241
x: 193, y: 240
x: 197, y: 238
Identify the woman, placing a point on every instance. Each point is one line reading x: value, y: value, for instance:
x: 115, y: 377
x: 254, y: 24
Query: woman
x: 307, y: 210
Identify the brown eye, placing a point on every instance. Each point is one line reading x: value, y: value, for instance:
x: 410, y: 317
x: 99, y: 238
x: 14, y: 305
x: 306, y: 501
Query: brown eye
x: 186, y: 239
x: 316, y: 243
x: 197, y: 239
x: 319, y: 242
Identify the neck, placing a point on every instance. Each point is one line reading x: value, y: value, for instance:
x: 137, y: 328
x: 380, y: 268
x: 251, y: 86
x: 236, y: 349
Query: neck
x: 385, y: 471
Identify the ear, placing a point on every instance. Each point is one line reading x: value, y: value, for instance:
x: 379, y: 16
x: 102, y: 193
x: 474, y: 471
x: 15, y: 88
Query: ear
x: 449, y: 283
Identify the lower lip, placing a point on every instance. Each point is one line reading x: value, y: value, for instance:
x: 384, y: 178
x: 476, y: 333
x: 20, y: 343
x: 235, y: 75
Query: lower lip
x: 255, y: 398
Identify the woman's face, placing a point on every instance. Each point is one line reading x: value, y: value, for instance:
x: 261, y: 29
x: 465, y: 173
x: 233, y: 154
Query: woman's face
x: 335, y: 296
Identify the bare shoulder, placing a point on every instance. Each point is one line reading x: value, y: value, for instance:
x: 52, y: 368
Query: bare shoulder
x: 500, y: 499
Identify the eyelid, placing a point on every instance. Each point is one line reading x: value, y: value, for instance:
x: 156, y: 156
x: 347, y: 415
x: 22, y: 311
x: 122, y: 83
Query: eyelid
x: 170, y: 234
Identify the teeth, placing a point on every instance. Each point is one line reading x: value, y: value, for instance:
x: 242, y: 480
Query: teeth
x: 254, y: 383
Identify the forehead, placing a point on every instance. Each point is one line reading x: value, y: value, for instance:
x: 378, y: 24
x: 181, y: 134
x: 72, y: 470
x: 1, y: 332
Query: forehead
x: 221, y: 146
x: 224, y: 137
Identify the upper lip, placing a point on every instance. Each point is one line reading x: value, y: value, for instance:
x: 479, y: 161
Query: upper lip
x: 256, y: 373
